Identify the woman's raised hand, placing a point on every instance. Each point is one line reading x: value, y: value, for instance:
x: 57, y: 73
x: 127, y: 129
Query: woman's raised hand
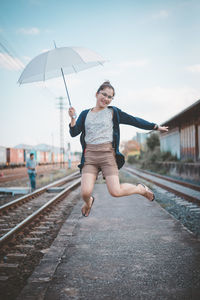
x: 72, y: 112
x: 163, y: 128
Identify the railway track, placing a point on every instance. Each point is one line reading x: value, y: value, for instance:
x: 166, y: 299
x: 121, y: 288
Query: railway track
x: 28, y: 226
x: 181, y: 200
x: 28, y: 207
x: 188, y: 191
x: 21, y: 200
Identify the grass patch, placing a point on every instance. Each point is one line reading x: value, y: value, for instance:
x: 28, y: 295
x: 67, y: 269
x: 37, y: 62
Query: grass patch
x: 43, y: 179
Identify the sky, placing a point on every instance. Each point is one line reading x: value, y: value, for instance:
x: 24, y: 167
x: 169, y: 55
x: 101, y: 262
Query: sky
x: 152, y: 48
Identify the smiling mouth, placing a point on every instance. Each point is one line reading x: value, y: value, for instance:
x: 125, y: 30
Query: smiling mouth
x: 104, y: 102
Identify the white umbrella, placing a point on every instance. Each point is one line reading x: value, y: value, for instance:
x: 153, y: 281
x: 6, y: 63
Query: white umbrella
x: 60, y: 61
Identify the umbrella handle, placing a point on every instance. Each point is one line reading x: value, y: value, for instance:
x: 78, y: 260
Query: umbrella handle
x: 70, y: 105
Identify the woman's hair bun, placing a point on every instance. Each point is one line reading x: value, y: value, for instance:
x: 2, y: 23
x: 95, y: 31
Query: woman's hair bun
x: 106, y: 82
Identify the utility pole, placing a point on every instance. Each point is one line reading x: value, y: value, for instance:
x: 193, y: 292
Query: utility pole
x: 52, y: 149
x: 61, y: 107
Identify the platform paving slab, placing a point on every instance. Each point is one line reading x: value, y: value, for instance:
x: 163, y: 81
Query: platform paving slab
x: 128, y: 248
x: 15, y: 190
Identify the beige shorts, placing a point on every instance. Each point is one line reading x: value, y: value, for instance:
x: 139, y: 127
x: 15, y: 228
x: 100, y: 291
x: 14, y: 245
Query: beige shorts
x: 102, y: 157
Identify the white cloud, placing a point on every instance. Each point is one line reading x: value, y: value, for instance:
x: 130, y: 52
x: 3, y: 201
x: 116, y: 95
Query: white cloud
x: 10, y: 63
x: 114, y: 70
x: 33, y: 31
x: 194, y: 68
x: 158, y: 103
x: 162, y: 14
x: 133, y: 63
x: 29, y: 31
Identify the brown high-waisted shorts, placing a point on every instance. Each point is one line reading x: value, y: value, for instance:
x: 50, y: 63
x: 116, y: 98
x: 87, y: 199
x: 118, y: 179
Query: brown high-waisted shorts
x: 102, y: 157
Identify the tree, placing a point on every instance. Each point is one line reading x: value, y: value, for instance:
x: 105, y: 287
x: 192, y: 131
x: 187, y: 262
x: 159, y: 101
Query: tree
x: 153, y: 141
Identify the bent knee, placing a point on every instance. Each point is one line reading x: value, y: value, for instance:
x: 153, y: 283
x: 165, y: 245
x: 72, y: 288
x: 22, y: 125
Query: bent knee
x: 114, y: 193
x: 85, y: 194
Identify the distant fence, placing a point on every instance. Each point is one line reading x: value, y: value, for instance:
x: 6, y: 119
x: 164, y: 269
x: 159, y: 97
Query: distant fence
x: 189, y: 171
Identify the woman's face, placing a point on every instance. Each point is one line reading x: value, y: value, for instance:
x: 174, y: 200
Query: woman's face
x: 104, y: 97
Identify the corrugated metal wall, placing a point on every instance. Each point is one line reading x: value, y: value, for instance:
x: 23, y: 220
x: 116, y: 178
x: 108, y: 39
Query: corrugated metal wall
x: 15, y: 156
x: 188, y: 142
x: 171, y: 142
x: 199, y: 142
x: 182, y: 144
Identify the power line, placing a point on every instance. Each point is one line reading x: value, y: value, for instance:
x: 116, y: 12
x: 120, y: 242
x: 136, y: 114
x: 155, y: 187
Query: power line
x: 10, y: 47
x: 10, y: 58
x: 6, y: 60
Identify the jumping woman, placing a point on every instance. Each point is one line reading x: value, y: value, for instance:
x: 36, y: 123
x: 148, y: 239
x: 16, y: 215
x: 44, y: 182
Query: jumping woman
x: 100, y: 138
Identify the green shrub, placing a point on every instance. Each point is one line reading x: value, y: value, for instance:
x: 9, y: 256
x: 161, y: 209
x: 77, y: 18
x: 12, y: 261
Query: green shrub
x: 189, y: 160
x: 153, y: 141
x: 132, y: 159
x: 167, y: 156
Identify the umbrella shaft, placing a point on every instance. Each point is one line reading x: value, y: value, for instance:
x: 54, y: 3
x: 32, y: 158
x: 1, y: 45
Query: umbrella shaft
x: 66, y: 87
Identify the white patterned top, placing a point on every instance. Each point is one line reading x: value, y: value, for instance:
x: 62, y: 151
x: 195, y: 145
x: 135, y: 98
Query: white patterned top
x: 99, y: 127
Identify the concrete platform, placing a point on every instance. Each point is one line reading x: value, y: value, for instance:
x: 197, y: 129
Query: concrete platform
x: 15, y: 190
x: 128, y: 248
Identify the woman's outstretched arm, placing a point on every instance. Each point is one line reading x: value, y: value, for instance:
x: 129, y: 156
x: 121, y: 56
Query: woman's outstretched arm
x: 125, y: 118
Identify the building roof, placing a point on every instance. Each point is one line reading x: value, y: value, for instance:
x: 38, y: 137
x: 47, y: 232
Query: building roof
x: 192, y: 111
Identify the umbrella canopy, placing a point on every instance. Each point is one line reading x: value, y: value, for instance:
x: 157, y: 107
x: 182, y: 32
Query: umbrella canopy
x: 60, y: 61
x: 49, y: 64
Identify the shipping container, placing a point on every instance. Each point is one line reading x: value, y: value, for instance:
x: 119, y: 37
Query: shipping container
x: 3, y: 157
x: 58, y: 156
x: 47, y: 157
x: 40, y: 157
x: 66, y: 157
x: 76, y: 158
x: 15, y: 156
x: 53, y: 157
x: 27, y: 153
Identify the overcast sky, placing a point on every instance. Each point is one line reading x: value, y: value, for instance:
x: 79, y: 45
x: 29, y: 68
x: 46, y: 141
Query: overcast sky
x: 153, y: 48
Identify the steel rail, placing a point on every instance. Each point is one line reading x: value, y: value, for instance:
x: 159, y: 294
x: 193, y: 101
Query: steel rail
x: 189, y: 198
x: 37, y: 192
x: 38, y: 212
x: 186, y: 184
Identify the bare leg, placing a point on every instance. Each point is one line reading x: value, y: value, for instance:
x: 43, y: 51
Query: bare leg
x: 87, y: 186
x: 118, y: 190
